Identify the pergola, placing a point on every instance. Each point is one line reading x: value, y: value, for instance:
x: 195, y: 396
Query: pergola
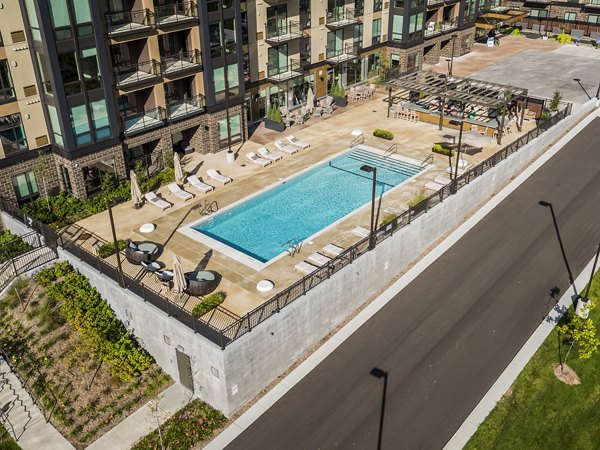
x: 466, y: 91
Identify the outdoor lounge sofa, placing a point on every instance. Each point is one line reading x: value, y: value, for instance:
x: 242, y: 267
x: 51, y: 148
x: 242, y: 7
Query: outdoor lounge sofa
x: 361, y: 231
x: 153, y: 199
x: 333, y: 250
x: 253, y: 158
x: 318, y: 259
x: 214, y: 175
x: 199, y: 185
x: 433, y: 186
x: 178, y: 192
x: 297, y: 142
x: 289, y: 149
x: 139, y: 252
x: 305, y: 267
x: 262, y: 151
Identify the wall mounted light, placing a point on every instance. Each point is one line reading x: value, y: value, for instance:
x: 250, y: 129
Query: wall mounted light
x: 14, y: 63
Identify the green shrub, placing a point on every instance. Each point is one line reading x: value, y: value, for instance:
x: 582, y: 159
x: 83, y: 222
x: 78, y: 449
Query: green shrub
x: 437, y: 148
x: 384, y: 134
x: 564, y: 38
x: 209, y: 302
x: 274, y: 114
x: 417, y: 200
x: 545, y: 115
x: 388, y: 218
x: 12, y: 245
x: 555, y: 102
x: 105, y: 250
x: 6, y: 440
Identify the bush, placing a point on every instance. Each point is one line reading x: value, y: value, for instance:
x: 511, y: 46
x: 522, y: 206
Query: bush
x: 564, y: 38
x: 555, y: 102
x: 417, y: 200
x: 384, y: 134
x: 437, y: 148
x: 545, y: 115
x: 209, y: 302
x: 274, y: 114
x: 12, y: 245
x: 105, y: 250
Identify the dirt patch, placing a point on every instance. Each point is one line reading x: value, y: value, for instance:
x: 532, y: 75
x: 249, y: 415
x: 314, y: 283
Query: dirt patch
x: 566, y: 375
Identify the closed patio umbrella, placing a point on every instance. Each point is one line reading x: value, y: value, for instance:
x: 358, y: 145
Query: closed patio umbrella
x: 310, y: 100
x: 179, y: 281
x: 179, y: 178
x: 136, y: 193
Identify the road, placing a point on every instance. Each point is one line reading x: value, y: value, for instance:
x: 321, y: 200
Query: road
x: 447, y: 336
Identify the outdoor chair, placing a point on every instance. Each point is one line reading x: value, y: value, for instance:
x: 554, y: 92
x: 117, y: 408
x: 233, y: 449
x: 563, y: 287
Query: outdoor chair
x: 333, y: 250
x: 214, y: 175
x: 178, y: 192
x: 199, y: 185
x: 317, y: 111
x: 305, y: 268
x: 297, y: 142
x: 153, y: 199
x: 361, y: 231
x: 262, y: 151
x: 289, y: 149
x: 318, y: 259
x: 433, y: 186
x: 143, y: 252
x: 253, y: 158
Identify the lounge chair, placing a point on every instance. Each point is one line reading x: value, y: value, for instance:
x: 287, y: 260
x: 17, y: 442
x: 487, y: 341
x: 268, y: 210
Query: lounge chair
x: 318, y: 259
x: 178, y: 192
x: 254, y: 159
x: 297, y: 142
x: 153, y: 199
x: 196, y: 183
x: 361, y: 231
x: 442, y: 180
x: 289, y: 149
x: 214, y: 175
x: 305, y: 268
x: 392, y: 210
x: 450, y: 170
x: 262, y: 151
x: 333, y: 250
x: 433, y: 186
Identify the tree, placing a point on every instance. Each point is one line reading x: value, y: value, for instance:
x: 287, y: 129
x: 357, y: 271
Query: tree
x: 575, y: 330
x: 555, y: 102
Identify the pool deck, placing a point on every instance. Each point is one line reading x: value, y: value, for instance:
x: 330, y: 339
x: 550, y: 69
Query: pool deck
x: 327, y: 137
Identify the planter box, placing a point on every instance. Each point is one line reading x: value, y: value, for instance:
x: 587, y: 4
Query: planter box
x: 276, y: 126
x: 340, y: 101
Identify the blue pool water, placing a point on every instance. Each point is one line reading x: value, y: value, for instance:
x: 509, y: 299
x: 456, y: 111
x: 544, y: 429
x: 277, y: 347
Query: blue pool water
x: 300, y: 207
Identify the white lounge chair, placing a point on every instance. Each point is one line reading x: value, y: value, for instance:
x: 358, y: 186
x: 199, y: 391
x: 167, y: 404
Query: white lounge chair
x: 305, y: 267
x: 153, y: 199
x: 451, y: 171
x: 178, y: 192
x: 254, y: 159
x: 297, y: 142
x: 442, y: 180
x: 262, y: 151
x: 289, y: 149
x: 317, y: 259
x: 463, y: 164
x: 214, y: 175
x: 361, y: 231
x: 433, y: 186
x: 333, y: 250
x: 196, y: 183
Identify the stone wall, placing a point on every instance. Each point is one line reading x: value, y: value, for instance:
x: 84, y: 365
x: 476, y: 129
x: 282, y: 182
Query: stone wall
x: 51, y: 176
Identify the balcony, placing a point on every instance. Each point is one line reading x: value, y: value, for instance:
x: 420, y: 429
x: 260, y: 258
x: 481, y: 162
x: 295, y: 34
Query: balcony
x: 126, y: 23
x: 182, y: 109
x: 7, y: 95
x: 183, y: 62
x: 591, y: 4
x: 146, y: 120
x: 341, y: 18
x: 431, y: 4
x: 277, y: 34
x: 438, y: 28
x: 338, y: 55
x: 182, y: 13
x: 277, y: 74
x: 129, y: 75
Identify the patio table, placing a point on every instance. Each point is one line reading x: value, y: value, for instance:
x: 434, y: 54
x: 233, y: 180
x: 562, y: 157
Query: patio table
x: 201, y: 282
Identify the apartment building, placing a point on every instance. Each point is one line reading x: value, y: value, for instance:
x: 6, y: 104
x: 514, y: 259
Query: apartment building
x: 100, y: 86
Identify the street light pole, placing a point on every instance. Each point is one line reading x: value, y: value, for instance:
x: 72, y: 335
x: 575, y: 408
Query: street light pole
x: 116, y: 243
x: 373, y: 170
x: 443, y: 100
x: 452, y: 56
x: 562, y: 248
x: 460, y: 134
x: 378, y: 373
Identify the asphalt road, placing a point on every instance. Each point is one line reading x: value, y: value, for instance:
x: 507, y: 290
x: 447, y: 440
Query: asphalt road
x: 448, y: 335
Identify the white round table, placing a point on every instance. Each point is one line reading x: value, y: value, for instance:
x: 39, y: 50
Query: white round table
x: 147, y: 228
x: 356, y: 132
x: 264, y: 286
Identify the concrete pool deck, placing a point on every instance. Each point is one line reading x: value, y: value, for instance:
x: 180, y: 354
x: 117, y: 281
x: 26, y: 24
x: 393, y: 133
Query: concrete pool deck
x: 327, y: 137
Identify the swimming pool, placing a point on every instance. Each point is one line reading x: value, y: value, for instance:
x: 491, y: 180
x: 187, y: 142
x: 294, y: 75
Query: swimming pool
x: 258, y: 229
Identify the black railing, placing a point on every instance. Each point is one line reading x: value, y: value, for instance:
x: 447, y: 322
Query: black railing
x: 144, y: 120
x: 223, y: 327
x: 294, y: 68
x: 283, y: 32
x: 341, y: 17
x: 25, y: 262
x: 176, y: 13
x: 141, y: 72
x: 180, y: 62
x: 126, y: 22
x: 186, y: 107
x: 347, y: 51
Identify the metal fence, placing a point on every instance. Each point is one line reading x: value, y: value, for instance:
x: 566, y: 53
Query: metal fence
x: 223, y: 327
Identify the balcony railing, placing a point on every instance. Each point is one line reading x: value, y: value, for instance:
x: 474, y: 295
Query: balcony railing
x: 142, y: 72
x: 346, y: 53
x: 181, y: 109
x: 437, y: 28
x: 435, y: 2
x: 181, y: 62
x: 143, y: 121
x: 340, y: 18
x: 7, y: 94
x: 176, y: 14
x: 285, y: 32
x: 591, y: 4
x: 277, y: 73
x: 123, y: 23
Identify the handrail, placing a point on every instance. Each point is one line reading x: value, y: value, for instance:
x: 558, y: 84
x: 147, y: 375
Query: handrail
x: 357, y: 140
x: 424, y: 162
x: 293, y: 246
x: 390, y: 151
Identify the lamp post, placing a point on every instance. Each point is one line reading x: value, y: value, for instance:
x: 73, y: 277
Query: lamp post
x: 452, y: 56
x: 109, y: 204
x: 445, y: 77
x: 562, y: 248
x: 460, y: 134
x: 378, y: 373
x: 582, y: 308
x: 373, y: 170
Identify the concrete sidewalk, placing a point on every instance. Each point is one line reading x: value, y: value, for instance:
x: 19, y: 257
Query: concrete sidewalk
x: 143, y: 421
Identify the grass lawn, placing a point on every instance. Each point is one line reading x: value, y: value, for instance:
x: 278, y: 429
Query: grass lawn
x: 6, y: 440
x: 541, y: 412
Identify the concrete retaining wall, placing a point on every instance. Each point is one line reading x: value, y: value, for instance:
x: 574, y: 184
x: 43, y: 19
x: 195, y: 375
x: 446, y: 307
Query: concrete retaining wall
x: 229, y: 378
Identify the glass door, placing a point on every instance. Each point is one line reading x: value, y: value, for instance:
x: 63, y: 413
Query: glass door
x: 278, y: 61
x: 335, y: 43
x: 277, y: 20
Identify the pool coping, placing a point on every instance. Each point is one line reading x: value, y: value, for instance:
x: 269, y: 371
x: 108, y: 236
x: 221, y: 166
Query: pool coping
x: 253, y: 263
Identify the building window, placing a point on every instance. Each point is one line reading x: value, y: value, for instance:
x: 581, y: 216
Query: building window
x: 376, y: 35
x: 594, y: 19
x: 25, y: 187
x: 397, y: 25
x: 235, y: 127
x: 7, y: 91
x: 357, y: 36
x: 89, y: 73
x: 540, y: 13
x: 377, y: 5
x: 571, y: 16
x: 80, y: 124
x: 33, y: 22
x: 395, y: 61
x: 413, y: 61
x: 415, y: 26
x: 217, y: 44
x: 54, y: 124
x: 12, y: 135
x: 100, y: 119
x: 68, y: 71
x: 60, y: 19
